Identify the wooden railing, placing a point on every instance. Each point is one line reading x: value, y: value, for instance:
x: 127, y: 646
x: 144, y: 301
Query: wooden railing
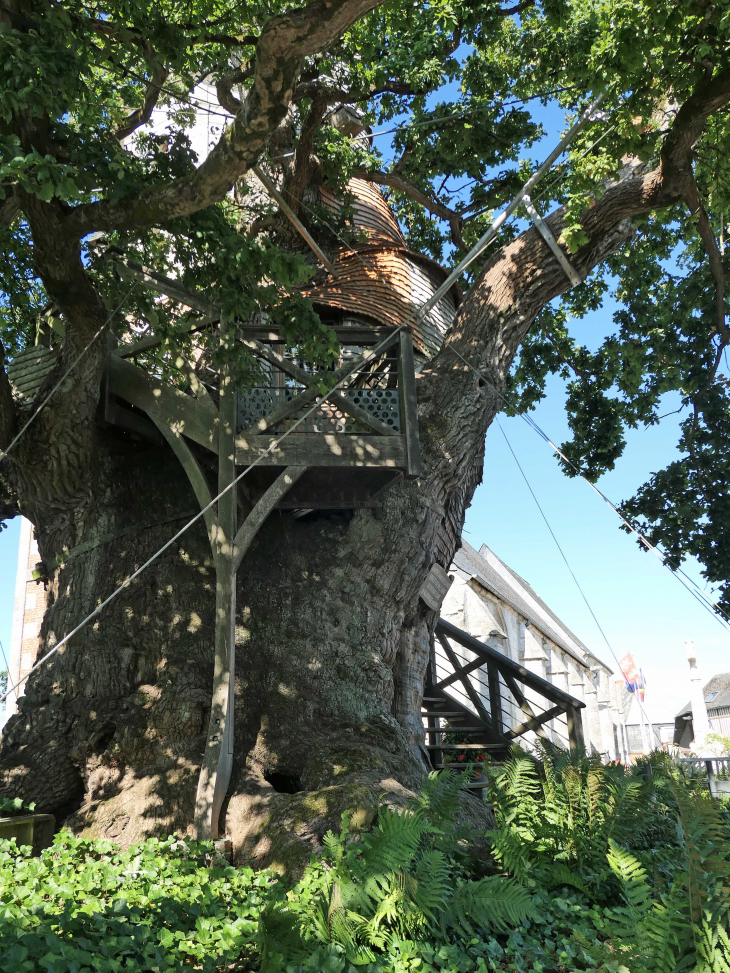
x: 500, y: 699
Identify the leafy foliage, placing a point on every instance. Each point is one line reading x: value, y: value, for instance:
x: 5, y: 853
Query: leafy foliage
x: 86, y: 905
x: 397, y: 883
x: 11, y: 806
x: 402, y: 896
x: 556, y: 819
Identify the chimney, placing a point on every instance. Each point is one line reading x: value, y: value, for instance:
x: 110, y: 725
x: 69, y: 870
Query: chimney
x: 700, y: 722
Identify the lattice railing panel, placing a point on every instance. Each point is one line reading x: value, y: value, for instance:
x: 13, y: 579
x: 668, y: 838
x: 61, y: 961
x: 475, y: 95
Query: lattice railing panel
x: 382, y: 404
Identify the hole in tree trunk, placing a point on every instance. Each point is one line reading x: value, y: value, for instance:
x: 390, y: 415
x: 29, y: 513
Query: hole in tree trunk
x: 284, y: 783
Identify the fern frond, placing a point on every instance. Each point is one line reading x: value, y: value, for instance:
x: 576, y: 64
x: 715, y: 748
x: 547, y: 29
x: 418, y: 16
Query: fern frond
x: 512, y: 852
x: 713, y: 949
x: 491, y: 903
x: 632, y: 876
x: 439, y: 797
x: 432, y: 884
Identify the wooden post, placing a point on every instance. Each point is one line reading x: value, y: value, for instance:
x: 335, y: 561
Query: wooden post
x: 575, y: 728
x: 495, y: 697
x: 215, y: 773
x: 711, y: 782
x: 408, y: 403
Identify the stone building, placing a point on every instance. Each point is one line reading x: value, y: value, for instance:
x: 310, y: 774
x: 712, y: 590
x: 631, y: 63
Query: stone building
x: 495, y: 605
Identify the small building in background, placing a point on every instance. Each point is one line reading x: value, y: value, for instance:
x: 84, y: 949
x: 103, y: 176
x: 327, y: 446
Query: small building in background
x: 717, y: 702
x: 29, y: 607
x: 649, y: 726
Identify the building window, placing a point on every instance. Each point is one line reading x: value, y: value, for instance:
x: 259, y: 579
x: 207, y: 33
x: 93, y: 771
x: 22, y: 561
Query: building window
x: 710, y: 696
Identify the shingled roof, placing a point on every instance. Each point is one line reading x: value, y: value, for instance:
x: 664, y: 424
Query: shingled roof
x: 380, y: 278
x: 719, y: 684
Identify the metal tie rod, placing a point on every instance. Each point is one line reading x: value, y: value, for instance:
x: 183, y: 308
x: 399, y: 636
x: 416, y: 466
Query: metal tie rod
x: 544, y: 230
x: 506, y: 213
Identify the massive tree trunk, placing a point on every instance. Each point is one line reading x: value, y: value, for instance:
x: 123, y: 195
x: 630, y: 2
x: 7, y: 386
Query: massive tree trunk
x: 332, y: 639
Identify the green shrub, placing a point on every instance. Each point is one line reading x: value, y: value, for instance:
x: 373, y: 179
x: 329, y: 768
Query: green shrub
x: 12, y: 806
x: 87, y: 906
x: 600, y: 870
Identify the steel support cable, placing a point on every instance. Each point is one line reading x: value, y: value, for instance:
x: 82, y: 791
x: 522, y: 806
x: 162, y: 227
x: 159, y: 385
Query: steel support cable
x: 713, y: 607
x: 125, y: 584
x: 65, y: 375
x: 646, y: 543
x: 567, y: 564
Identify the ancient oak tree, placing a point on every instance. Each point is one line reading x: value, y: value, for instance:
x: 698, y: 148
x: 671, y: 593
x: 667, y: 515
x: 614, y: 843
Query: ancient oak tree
x: 96, y: 162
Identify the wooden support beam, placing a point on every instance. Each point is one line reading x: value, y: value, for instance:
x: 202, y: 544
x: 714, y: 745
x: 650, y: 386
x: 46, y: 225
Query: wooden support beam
x: 297, y: 402
x: 217, y: 765
x: 470, y: 691
x: 575, y: 728
x: 153, y: 341
x: 524, y: 705
x: 311, y: 379
x: 194, y: 474
x: 408, y: 404
x: 251, y: 526
x: 463, y: 670
x: 362, y: 415
x: 318, y: 449
x: 294, y: 219
x: 506, y: 665
x: 192, y: 418
x: 495, y: 696
x: 544, y: 230
x: 130, y: 270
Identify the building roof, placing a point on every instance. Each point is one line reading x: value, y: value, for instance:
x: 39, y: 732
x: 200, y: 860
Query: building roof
x: 371, y: 213
x: 493, y: 574
x: 719, y: 684
x: 380, y: 278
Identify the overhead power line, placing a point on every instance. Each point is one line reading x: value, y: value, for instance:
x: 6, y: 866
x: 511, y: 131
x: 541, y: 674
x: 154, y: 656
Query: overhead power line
x: 567, y: 564
x: 715, y: 609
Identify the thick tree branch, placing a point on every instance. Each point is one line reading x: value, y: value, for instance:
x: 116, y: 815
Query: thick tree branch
x: 397, y: 181
x: 284, y: 43
x: 297, y: 183
x: 226, y: 98
x: 707, y: 235
x: 142, y: 115
x: 9, y: 210
x: 524, y: 276
x: 8, y: 419
x: 517, y: 9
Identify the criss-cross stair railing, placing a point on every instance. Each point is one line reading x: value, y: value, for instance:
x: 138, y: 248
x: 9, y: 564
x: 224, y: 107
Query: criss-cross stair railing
x: 485, y: 697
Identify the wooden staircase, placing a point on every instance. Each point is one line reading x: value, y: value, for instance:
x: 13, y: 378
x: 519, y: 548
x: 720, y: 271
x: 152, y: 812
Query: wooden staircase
x: 490, y: 701
x: 444, y: 717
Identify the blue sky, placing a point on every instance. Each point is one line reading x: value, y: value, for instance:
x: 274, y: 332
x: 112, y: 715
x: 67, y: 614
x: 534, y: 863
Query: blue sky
x: 640, y: 606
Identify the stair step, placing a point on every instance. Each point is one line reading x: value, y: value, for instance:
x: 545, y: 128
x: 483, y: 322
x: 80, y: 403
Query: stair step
x: 456, y: 729
x: 455, y: 712
x: 465, y: 746
x: 463, y: 766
